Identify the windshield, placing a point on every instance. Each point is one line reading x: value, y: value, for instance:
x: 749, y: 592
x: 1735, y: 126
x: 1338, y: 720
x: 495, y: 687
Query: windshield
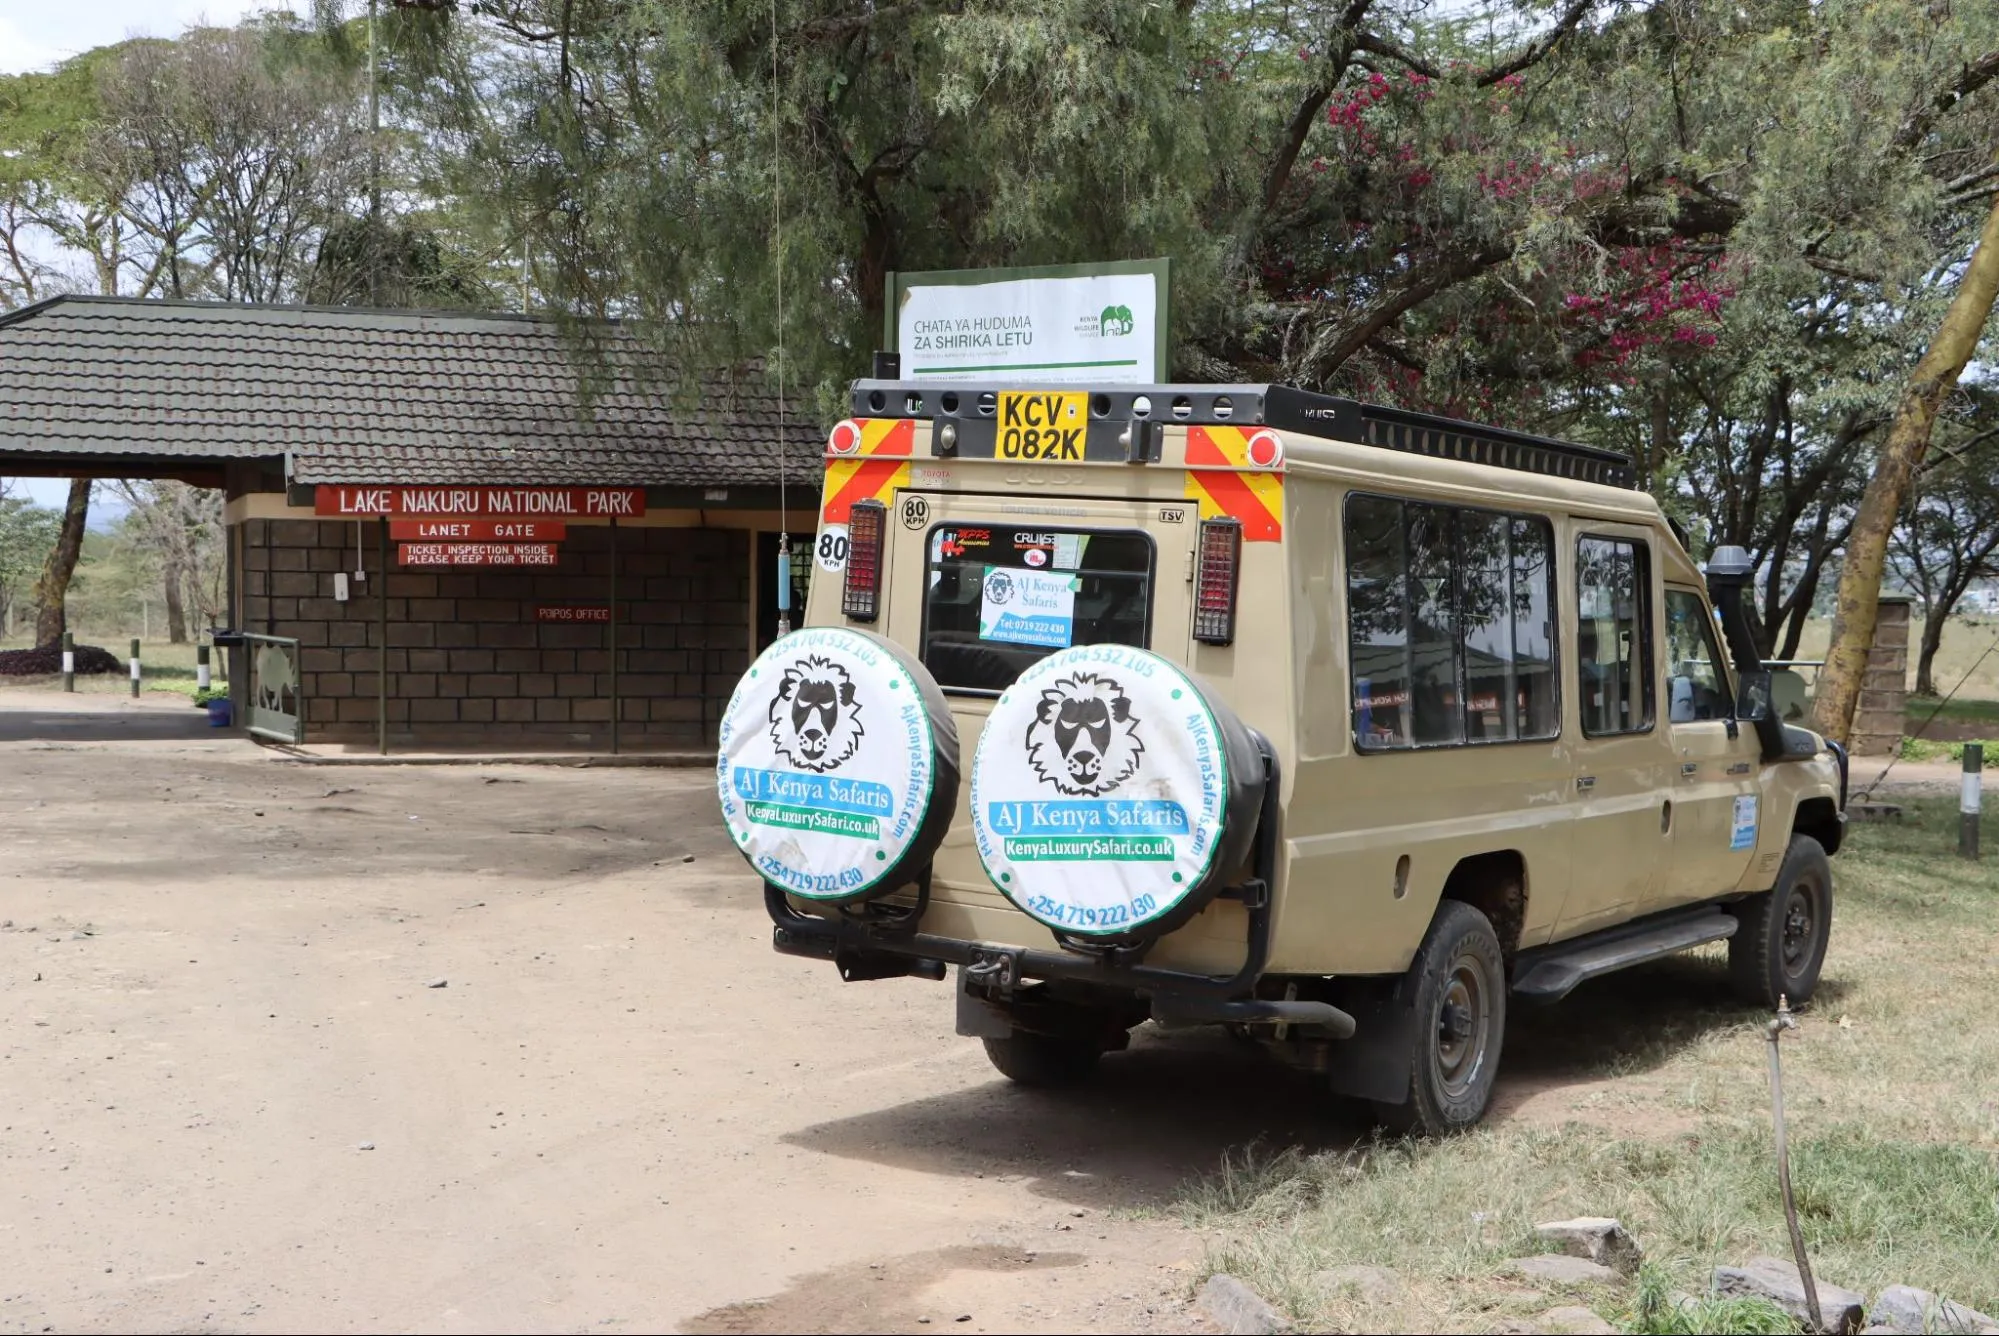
x: 1003, y: 596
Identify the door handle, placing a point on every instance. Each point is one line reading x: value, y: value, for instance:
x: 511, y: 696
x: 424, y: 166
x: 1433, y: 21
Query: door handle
x: 1584, y: 783
x: 1689, y: 770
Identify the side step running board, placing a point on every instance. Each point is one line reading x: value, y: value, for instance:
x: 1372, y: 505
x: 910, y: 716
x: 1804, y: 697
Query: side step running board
x: 1551, y: 973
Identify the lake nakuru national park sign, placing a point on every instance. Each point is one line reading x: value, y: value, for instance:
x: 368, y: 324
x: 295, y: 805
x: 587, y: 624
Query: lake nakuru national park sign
x: 481, y: 502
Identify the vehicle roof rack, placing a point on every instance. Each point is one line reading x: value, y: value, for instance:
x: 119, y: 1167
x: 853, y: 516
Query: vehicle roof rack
x: 1278, y: 406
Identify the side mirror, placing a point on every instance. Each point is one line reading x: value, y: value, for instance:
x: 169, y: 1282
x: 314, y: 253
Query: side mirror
x: 1753, y: 699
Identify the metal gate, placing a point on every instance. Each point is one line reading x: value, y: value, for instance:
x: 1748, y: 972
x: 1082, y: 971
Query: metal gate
x: 277, y: 696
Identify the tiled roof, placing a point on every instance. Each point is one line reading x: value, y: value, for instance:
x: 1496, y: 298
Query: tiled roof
x: 367, y: 396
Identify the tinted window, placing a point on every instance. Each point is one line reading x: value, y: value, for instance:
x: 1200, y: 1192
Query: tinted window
x: 1613, y: 636
x: 1002, y: 597
x: 1450, y: 624
x: 1695, y: 686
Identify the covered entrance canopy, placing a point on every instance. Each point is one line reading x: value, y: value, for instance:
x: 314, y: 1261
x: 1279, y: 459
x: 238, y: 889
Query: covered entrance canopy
x: 319, y: 422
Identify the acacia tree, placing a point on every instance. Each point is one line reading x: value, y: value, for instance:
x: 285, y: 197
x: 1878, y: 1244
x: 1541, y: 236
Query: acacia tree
x: 1948, y: 539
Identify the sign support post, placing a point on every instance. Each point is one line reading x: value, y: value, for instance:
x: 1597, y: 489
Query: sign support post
x: 614, y: 635
x: 382, y: 660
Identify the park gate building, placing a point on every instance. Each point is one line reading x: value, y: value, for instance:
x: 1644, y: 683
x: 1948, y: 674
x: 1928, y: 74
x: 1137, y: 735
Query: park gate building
x: 444, y: 529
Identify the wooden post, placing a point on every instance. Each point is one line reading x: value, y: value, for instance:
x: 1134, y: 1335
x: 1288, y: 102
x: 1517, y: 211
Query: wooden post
x: 135, y: 667
x: 1970, y: 802
x: 201, y: 678
x: 614, y: 635
x: 68, y: 661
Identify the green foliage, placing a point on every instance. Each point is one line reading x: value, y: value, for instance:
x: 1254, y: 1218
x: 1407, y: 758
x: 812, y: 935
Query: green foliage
x: 1657, y: 1310
x: 27, y: 531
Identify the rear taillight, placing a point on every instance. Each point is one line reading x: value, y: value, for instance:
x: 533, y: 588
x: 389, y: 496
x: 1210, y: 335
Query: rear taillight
x: 1215, y: 581
x: 867, y: 521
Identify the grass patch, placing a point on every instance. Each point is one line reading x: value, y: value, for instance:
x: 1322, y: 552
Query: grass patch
x: 1929, y: 749
x: 1653, y: 1106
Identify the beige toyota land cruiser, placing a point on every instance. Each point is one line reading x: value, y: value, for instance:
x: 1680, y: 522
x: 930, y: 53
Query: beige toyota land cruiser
x: 1345, y: 726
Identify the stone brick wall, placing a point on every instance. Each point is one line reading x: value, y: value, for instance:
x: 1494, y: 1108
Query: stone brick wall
x: 1884, y: 686
x: 468, y: 662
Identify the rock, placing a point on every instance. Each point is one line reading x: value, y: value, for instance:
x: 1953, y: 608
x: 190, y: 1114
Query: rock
x: 1577, y: 1321
x: 1376, y: 1286
x: 438, y: 983
x: 1906, y: 1308
x: 1238, y: 1309
x: 1558, y: 1269
x: 1598, y: 1238
x: 365, y: 1145
x: 1777, y: 1280
x: 1513, y: 1326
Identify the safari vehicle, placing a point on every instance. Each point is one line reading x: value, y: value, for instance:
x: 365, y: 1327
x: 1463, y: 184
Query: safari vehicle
x: 1344, y: 726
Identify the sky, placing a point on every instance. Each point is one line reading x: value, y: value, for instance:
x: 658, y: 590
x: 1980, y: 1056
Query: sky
x: 35, y: 34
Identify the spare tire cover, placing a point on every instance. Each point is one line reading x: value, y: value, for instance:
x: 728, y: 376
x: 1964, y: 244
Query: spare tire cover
x: 1112, y: 793
x: 837, y: 765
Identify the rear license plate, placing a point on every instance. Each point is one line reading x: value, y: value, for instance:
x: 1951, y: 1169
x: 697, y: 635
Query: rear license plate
x: 1043, y: 424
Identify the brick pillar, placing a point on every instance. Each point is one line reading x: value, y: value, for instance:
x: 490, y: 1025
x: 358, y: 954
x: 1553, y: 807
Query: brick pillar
x: 1877, y: 719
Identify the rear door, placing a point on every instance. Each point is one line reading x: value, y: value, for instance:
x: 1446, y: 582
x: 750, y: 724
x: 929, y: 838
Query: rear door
x: 980, y: 586
x: 1622, y: 791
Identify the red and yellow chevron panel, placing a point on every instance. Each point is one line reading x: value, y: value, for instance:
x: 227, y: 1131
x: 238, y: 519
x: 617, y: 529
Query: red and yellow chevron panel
x: 1238, y: 472
x: 866, y: 459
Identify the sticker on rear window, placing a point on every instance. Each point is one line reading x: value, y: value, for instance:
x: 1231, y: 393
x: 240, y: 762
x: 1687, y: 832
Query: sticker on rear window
x: 1028, y: 607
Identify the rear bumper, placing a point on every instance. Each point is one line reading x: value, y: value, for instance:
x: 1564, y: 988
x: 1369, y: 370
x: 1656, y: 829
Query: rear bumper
x: 890, y: 946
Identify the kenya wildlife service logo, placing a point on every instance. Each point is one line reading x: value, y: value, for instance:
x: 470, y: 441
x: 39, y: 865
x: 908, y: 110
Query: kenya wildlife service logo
x: 1115, y: 321
x: 814, y: 718
x: 1084, y: 738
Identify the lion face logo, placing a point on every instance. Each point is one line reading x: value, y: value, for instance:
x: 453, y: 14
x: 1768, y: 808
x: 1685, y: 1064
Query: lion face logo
x: 814, y: 718
x: 1083, y: 739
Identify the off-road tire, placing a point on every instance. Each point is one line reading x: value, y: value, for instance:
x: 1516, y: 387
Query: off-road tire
x: 1043, y: 1060
x: 1780, y: 947
x: 1451, y: 1072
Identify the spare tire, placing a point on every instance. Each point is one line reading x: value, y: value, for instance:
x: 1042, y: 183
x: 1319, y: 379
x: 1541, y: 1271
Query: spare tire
x: 837, y: 765
x: 1113, y: 794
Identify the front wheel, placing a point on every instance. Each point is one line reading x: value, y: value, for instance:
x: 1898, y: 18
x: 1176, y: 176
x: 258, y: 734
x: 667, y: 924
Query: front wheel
x: 1043, y: 1060
x: 1459, y: 976
x: 1780, y: 947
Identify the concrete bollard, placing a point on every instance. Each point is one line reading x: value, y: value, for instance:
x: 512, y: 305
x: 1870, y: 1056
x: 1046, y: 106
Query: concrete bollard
x: 135, y: 667
x: 68, y: 661
x: 201, y: 667
x: 1971, y: 799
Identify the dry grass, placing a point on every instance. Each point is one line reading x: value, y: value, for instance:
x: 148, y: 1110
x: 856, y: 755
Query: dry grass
x: 1645, y: 1096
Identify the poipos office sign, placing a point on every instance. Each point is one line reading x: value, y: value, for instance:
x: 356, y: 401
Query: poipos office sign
x: 1054, y: 324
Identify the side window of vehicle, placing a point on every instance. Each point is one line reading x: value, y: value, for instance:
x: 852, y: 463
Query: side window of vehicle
x: 1450, y: 625
x: 1695, y: 686
x: 1613, y: 635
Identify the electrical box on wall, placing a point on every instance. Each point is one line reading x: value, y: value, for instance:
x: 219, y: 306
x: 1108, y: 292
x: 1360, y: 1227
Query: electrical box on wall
x: 340, y: 586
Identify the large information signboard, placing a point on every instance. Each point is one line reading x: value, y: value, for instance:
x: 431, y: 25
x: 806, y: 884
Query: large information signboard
x: 1054, y: 324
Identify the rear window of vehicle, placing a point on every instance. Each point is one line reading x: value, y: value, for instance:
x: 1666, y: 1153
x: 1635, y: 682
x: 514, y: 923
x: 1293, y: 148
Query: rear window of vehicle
x: 1002, y: 597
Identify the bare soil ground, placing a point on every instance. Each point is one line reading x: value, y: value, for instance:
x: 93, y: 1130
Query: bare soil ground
x: 230, y: 1098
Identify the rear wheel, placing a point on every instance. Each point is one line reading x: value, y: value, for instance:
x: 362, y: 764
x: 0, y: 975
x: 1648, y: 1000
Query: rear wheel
x: 1780, y: 947
x: 1459, y: 976
x: 1042, y: 1059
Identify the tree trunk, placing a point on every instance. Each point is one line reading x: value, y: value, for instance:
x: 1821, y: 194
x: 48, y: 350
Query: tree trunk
x: 50, y: 618
x: 1908, y: 438
x: 176, y: 618
x: 1926, y: 684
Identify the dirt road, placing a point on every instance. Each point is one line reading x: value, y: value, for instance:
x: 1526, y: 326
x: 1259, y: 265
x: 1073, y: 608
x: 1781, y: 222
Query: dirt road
x: 289, y: 1047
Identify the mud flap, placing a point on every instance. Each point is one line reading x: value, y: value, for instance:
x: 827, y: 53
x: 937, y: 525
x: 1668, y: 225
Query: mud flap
x: 1375, y: 1063
x: 978, y: 1017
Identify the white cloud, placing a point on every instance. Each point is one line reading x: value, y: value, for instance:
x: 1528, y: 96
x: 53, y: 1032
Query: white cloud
x: 53, y: 32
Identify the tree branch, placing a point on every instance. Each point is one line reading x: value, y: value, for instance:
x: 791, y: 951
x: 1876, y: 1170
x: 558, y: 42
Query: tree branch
x: 1974, y: 76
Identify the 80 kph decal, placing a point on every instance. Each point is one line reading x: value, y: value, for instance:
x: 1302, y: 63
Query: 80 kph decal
x: 1042, y: 425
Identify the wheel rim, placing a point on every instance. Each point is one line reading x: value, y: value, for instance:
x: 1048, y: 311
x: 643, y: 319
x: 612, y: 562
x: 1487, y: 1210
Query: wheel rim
x: 1801, y: 921
x: 1463, y: 1028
